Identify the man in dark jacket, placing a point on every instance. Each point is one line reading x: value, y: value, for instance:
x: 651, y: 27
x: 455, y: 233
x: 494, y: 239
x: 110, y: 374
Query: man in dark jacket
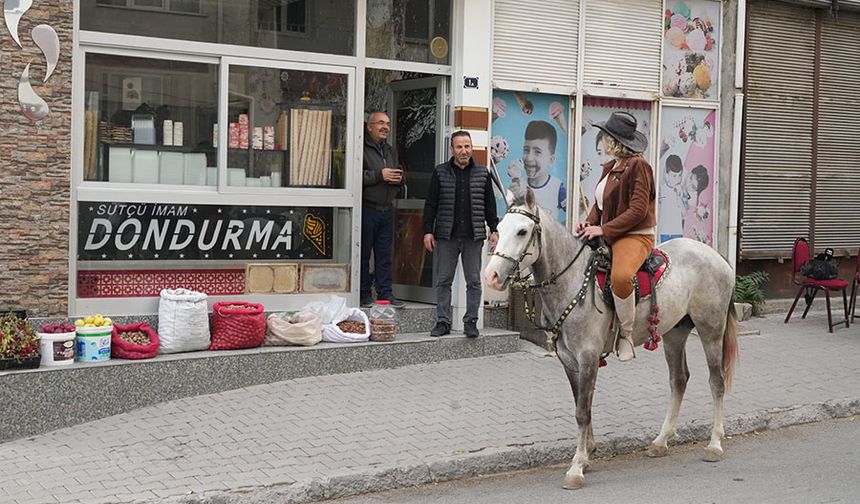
x: 460, y: 200
x: 382, y: 179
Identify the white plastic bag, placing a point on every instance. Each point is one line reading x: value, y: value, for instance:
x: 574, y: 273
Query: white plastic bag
x: 330, y: 312
x: 302, y: 328
x: 183, y: 321
x: 333, y: 334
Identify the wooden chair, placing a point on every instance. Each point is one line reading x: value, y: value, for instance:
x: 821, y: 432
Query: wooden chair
x: 809, y: 287
x: 853, y: 307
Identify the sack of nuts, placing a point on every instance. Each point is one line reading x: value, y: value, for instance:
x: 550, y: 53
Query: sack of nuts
x: 354, y: 328
x: 134, y: 341
x: 237, y: 325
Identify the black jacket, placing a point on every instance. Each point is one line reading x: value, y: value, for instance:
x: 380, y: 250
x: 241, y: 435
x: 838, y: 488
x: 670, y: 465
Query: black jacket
x: 441, y: 200
x: 378, y: 193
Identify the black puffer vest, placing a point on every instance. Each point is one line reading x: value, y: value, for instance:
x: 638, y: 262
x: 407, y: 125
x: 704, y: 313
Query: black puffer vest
x: 447, y: 193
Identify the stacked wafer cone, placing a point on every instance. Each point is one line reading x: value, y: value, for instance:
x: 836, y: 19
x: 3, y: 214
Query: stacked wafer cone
x: 310, y: 152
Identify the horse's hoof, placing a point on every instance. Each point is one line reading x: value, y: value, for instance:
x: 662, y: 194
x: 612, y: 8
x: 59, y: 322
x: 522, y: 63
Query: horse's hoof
x: 573, y: 482
x: 655, y: 451
x: 713, y: 454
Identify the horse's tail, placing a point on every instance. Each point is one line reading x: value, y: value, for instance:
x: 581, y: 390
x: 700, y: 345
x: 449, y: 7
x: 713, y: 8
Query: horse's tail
x: 730, y: 345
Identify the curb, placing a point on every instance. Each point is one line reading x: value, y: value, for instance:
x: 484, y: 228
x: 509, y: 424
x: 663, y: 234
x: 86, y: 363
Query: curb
x: 511, y: 458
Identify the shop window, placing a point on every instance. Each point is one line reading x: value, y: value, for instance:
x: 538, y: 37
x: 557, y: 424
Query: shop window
x: 283, y: 16
x: 150, y: 121
x: 287, y: 128
x: 324, y: 26
x: 183, y: 6
x: 409, y: 30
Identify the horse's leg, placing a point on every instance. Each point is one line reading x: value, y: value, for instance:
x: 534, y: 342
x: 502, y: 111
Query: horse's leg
x: 585, y: 393
x: 712, y: 342
x: 571, y: 369
x: 674, y: 348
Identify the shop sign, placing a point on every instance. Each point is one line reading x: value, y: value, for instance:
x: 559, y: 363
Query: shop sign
x: 111, y: 231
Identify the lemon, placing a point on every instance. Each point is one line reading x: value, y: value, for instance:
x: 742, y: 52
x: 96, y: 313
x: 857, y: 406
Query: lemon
x: 89, y: 319
x: 89, y: 325
x: 108, y: 321
x: 79, y: 323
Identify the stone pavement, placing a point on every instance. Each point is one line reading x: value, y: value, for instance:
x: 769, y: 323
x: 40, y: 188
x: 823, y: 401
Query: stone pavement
x: 323, y: 437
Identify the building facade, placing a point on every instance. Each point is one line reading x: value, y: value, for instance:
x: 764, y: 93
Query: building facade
x: 216, y: 145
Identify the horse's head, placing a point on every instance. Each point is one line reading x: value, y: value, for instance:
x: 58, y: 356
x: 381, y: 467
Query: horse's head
x: 519, y: 241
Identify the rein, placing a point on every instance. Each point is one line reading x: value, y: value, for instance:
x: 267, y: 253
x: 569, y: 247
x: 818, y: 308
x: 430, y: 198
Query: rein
x: 530, y: 289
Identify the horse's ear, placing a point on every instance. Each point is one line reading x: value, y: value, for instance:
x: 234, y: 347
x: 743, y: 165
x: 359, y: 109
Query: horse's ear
x: 530, y: 198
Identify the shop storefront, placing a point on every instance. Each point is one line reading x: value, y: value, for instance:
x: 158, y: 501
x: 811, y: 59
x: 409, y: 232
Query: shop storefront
x: 800, y: 151
x: 659, y: 61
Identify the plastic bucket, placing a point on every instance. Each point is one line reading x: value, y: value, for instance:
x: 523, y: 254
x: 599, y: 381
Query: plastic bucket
x: 93, y: 343
x: 57, y: 349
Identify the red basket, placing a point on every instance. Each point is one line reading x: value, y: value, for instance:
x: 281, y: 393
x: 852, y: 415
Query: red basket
x: 122, y: 349
x: 237, y: 325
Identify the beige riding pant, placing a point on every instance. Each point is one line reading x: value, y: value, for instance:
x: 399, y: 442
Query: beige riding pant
x: 628, y: 254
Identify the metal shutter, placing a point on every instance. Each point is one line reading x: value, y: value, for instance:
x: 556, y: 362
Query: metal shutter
x: 837, y: 193
x: 536, y: 41
x: 623, y: 39
x: 778, y: 134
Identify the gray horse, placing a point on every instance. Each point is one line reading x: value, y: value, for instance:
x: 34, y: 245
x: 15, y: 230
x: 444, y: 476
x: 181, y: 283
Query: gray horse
x: 695, y: 291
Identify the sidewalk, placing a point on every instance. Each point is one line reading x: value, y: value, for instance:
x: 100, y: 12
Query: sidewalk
x: 314, y: 438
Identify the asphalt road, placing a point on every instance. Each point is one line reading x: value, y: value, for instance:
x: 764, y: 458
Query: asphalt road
x: 814, y: 463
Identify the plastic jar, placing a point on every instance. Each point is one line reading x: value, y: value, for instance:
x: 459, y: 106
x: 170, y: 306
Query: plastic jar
x: 58, y: 349
x: 94, y: 343
x: 383, y: 327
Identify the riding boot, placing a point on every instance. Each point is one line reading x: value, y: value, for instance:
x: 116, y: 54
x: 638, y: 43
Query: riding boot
x: 625, y: 309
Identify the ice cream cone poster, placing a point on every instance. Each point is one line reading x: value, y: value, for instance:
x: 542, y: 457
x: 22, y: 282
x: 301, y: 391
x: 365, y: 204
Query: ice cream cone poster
x: 685, y: 194
x: 691, y: 52
x: 530, y: 138
x: 592, y: 154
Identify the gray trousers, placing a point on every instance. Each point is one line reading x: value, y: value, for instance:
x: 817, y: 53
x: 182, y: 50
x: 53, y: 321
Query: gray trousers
x: 445, y: 265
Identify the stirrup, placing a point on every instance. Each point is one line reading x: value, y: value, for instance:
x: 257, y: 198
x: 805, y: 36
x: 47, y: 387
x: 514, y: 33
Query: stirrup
x: 628, y: 339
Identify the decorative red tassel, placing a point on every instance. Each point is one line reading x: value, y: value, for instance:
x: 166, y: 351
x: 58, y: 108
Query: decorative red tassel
x: 650, y: 345
x: 652, y: 328
x: 656, y: 308
x: 601, y: 363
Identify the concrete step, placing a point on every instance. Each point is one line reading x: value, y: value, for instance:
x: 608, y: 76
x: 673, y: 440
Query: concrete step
x: 49, y: 398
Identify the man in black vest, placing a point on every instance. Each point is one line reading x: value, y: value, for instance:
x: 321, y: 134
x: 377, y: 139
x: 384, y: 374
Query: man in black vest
x: 460, y: 200
x: 381, y: 180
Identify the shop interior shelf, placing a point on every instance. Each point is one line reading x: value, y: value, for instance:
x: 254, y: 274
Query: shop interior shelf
x: 167, y: 148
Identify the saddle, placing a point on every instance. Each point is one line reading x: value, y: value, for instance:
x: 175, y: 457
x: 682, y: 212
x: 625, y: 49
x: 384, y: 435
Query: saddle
x: 644, y: 282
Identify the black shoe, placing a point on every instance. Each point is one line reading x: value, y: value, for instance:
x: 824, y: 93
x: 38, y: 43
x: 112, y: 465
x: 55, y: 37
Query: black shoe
x: 366, y: 302
x: 470, y: 329
x: 441, y: 329
x: 396, y: 303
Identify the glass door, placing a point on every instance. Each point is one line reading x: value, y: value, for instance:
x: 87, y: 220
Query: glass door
x: 418, y: 121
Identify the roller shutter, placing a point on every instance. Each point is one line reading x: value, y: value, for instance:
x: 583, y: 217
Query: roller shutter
x: 777, y: 179
x: 837, y: 192
x: 623, y: 39
x: 536, y: 41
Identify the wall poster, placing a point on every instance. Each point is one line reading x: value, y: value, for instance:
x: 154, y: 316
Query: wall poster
x: 685, y: 195
x: 530, y: 134
x: 691, y: 52
x: 592, y: 154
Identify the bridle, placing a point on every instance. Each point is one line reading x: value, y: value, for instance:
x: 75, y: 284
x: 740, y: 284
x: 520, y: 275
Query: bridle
x: 531, y: 289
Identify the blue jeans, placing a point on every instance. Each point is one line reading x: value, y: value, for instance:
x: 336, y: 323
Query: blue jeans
x: 377, y: 236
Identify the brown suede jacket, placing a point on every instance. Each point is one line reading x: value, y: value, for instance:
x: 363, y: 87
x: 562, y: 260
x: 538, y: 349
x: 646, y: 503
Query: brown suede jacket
x: 628, y: 199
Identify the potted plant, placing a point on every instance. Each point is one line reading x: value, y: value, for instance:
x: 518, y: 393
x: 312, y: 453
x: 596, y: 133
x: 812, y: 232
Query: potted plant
x: 19, y: 345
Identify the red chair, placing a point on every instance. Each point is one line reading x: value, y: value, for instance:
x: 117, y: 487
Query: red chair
x: 854, y: 284
x: 809, y: 287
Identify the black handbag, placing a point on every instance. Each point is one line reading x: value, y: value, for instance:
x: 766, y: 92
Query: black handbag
x: 822, y: 267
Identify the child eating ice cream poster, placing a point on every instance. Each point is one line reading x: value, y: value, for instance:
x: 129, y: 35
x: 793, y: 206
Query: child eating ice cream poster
x: 530, y: 137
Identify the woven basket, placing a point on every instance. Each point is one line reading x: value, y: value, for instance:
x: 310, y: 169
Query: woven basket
x: 237, y: 325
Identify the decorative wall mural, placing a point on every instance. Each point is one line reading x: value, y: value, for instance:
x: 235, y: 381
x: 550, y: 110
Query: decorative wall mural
x: 49, y: 42
x: 33, y: 106
x: 46, y: 39
x: 13, y: 11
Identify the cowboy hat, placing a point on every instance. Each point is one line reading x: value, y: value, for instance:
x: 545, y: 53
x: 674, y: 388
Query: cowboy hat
x: 622, y: 127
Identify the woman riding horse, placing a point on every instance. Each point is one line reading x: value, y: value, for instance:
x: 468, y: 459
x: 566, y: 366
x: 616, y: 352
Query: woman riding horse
x: 624, y: 214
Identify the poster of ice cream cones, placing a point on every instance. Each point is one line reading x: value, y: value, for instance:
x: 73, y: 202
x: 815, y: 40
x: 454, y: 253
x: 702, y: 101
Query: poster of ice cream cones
x: 592, y: 153
x: 691, y: 52
x: 685, y: 194
x: 530, y: 138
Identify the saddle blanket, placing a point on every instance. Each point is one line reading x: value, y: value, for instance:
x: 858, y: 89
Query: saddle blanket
x: 642, y: 284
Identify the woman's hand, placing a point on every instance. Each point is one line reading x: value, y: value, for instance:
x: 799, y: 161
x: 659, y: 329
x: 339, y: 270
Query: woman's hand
x: 590, y: 232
